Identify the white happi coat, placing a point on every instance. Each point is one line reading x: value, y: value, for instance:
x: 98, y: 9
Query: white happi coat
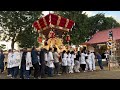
x: 82, y: 60
x: 9, y: 60
x: 28, y: 61
x: 64, y: 59
x: 50, y: 60
x: 16, y: 59
x: 72, y: 59
x: 89, y: 61
x: 69, y: 60
x: 93, y: 61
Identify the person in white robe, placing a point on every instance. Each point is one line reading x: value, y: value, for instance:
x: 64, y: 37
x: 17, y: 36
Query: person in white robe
x: 93, y: 61
x: 15, y: 63
x: 64, y: 62
x: 83, y: 61
x: 46, y: 61
x: 89, y: 61
x: 68, y: 61
x: 72, y: 62
x: 77, y: 62
x: 50, y: 63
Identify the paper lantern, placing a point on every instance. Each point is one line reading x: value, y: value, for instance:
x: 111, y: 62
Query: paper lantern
x: 68, y: 38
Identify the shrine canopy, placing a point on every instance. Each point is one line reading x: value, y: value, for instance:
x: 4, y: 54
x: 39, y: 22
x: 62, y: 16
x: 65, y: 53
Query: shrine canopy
x: 54, y: 22
x: 103, y: 36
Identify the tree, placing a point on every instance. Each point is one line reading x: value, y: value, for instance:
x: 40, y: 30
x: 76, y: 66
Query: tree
x: 2, y: 46
x: 99, y: 22
x: 15, y: 22
x: 28, y: 38
x: 86, y: 26
x: 79, y: 31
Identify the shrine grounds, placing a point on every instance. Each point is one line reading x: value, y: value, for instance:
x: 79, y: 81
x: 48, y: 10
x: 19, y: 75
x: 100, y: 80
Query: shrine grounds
x: 98, y: 74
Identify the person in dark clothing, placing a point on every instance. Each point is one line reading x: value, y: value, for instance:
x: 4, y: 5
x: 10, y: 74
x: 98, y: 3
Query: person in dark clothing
x: 42, y: 62
x: 23, y: 70
x: 99, y: 57
x: 9, y: 69
x: 35, y: 62
x: 2, y: 56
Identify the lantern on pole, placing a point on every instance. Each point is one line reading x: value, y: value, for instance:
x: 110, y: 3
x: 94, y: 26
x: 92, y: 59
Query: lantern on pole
x: 110, y: 40
x: 68, y: 38
x: 40, y: 39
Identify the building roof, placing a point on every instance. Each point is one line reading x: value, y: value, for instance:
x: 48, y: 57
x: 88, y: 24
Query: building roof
x: 102, y: 36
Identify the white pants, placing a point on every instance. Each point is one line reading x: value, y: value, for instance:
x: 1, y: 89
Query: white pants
x: 77, y: 66
x: 88, y: 65
x: 71, y: 69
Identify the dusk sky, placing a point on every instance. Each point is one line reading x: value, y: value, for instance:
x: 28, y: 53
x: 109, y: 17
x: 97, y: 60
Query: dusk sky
x: 114, y: 14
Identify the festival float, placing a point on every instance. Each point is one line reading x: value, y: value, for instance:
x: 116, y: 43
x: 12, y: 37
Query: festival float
x: 54, y: 28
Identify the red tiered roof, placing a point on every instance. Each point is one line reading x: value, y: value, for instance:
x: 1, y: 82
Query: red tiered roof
x: 102, y: 36
x: 53, y: 21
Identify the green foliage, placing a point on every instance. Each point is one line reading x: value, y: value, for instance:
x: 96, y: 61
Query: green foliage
x: 78, y: 33
x: 100, y: 22
x: 86, y: 26
x: 2, y: 46
x: 15, y: 23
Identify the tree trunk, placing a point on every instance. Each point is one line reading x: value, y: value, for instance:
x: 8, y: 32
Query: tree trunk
x: 12, y: 44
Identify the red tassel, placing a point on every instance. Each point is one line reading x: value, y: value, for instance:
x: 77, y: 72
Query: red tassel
x: 39, y: 39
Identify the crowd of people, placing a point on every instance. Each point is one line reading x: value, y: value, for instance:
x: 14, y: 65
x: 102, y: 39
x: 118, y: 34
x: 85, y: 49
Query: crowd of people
x: 48, y: 62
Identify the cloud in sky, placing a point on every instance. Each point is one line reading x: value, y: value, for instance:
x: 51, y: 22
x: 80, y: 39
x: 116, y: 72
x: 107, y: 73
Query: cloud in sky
x: 114, y: 14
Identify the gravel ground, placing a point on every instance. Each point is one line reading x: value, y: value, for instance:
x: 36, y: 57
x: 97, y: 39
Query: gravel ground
x: 98, y: 74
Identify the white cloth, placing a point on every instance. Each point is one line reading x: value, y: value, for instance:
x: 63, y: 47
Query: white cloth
x: 46, y: 59
x: 72, y: 59
x: 50, y: 60
x: 21, y: 59
x: 69, y: 60
x: 93, y: 61
x: 56, y: 57
x: 17, y: 59
x: 82, y: 60
x: 89, y: 62
x: 77, y: 66
x: 28, y: 61
x: 9, y: 60
x: 14, y: 59
x: 64, y: 60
